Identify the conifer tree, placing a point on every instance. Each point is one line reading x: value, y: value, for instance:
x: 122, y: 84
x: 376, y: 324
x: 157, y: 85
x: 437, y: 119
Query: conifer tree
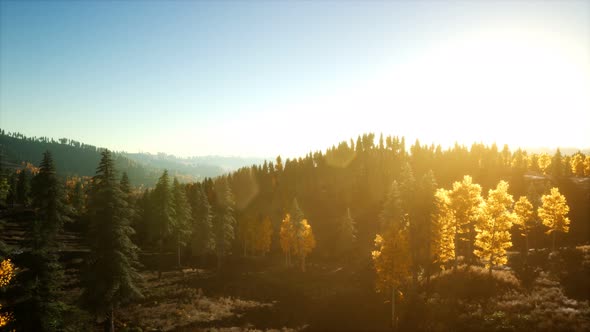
x: 346, y: 232
x: 202, y: 239
x: 40, y: 308
x: 426, y: 208
x: 182, y: 217
x: 553, y: 214
x: 23, y: 188
x: 493, y: 228
x: 164, y: 216
x: 392, y: 208
x: 111, y: 274
x: 262, y: 241
x: 224, y: 221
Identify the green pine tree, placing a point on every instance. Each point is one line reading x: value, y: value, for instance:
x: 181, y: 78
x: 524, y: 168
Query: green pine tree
x: 224, y: 221
x: 202, y: 240
x: 182, y: 217
x: 164, y: 216
x: 38, y: 308
x: 111, y: 275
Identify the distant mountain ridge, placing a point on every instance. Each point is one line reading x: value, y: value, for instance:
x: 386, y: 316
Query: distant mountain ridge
x: 76, y: 158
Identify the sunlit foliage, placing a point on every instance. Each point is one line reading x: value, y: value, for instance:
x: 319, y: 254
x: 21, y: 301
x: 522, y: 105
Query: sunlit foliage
x: 6, y: 275
x: 444, y: 227
x: 493, y: 227
x: 287, y: 238
x: 544, y: 162
x: 524, y: 218
x: 553, y: 213
x: 304, y: 242
x: 465, y: 199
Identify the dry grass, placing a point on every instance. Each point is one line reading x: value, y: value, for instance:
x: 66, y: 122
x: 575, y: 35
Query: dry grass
x: 169, y: 305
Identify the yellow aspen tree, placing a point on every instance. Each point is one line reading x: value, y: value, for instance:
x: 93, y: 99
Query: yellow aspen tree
x: 6, y: 275
x: 524, y: 218
x: 287, y: 238
x: 304, y: 242
x: 465, y: 199
x: 553, y: 213
x: 587, y: 165
x: 263, y: 239
x: 392, y: 262
x: 544, y: 162
x: 443, y: 228
x: 493, y: 228
x: 577, y: 164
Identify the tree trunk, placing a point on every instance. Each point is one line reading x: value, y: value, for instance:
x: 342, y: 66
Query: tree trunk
x: 178, y: 251
x: 302, y: 263
x: 109, y: 323
x: 393, y: 313
x: 160, y: 259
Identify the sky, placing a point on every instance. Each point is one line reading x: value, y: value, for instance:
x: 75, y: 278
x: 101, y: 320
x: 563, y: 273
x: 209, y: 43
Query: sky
x: 247, y: 78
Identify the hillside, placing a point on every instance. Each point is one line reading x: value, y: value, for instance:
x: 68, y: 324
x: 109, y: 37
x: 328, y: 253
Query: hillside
x: 76, y: 158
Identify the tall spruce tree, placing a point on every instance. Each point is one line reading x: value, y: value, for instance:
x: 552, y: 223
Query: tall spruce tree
x: 111, y: 274
x: 38, y: 307
x: 164, y: 216
x: 182, y: 217
x: 224, y: 221
x: 202, y: 240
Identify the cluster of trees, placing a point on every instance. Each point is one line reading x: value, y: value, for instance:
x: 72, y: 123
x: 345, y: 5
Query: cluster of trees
x: 357, y: 195
x: 422, y: 226
x: 110, y: 276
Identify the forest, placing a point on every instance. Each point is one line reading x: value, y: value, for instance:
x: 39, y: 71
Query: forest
x: 373, y: 233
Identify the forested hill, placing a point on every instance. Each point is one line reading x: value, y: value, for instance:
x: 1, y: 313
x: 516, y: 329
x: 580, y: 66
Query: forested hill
x: 76, y: 158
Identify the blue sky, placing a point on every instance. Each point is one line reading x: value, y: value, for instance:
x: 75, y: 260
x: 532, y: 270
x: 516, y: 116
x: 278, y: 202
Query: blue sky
x: 267, y: 78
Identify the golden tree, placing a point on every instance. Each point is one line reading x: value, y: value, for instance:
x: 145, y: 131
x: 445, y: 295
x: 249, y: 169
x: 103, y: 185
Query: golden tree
x: 524, y: 217
x: 587, y: 165
x: 577, y: 164
x: 465, y: 199
x: 304, y: 242
x: 443, y: 228
x: 287, y: 238
x: 553, y: 213
x: 262, y: 240
x: 6, y: 275
x: 493, y: 228
x: 544, y: 162
x: 391, y: 259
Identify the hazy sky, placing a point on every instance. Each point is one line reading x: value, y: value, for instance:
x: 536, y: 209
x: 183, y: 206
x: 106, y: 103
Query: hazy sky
x: 267, y: 78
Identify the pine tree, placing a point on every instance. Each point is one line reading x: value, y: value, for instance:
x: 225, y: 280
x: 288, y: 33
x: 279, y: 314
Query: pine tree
x: 182, y: 217
x: 111, y: 274
x: 263, y: 238
x: 224, y: 221
x: 392, y: 208
x: 553, y: 214
x: 493, y: 227
x: 426, y: 208
x: 202, y: 239
x: 346, y: 232
x: 164, y: 216
x: 23, y: 188
x: 40, y: 308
